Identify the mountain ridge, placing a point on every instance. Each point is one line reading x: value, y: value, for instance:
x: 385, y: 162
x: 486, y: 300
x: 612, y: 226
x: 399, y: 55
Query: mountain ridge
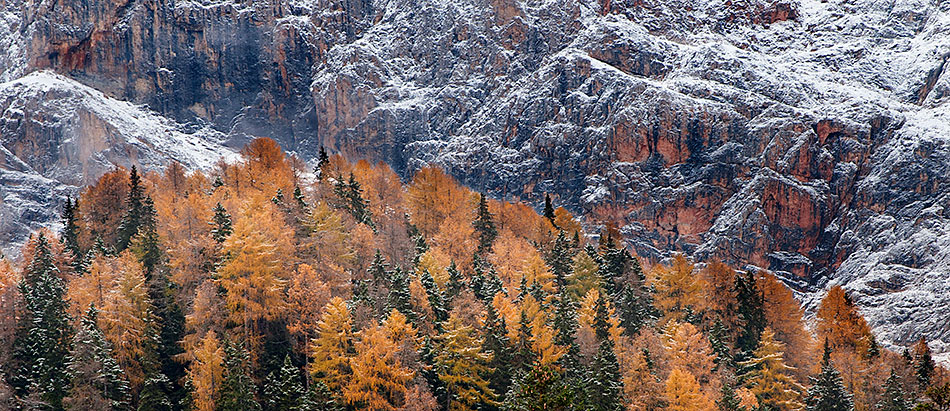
x: 804, y: 137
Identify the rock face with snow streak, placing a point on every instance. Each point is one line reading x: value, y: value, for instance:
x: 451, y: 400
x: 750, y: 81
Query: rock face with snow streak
x: 806, y: 137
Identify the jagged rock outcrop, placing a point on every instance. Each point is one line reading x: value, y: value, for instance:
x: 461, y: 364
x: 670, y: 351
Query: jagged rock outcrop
x: 806, y: 137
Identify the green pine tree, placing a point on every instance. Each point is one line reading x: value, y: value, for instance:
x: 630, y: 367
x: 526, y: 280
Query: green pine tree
x: 717, y: 341
x: 399, y: 295
x: 751, y: 312
x: 561, y: 260
x: 154, y: 393
x: 43, y: 336
x: 96, y: 379
x: 604, y: 383
x: 350, y: 198
x: 322, y: 161
x: 827, y: 392
x: 70, y: 236
x: 237, y: 389
x: 541, y: 389
x: 436, y: 300
x: 455, y: 285
x: 924, y: 365
x: 894, y: 398
x: 129, y: 225
x: 320, y: 398
x: 485, y: 227
x: 729, y: 401
x: 283, y: 389
x: 221, y: 227
x: 146, y: 243
x: 524, y: 355
x: 549, y: 209
x: 496, y: 343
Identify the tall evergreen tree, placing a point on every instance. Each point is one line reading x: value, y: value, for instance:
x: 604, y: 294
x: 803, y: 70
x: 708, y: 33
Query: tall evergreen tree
x: 894, y: 398
x: 283, y: 390
x: 97, y: 381
x: 560, y: 259
x: 237, y: 389
x: 400, y: 297
x: 154, y: 393
x: 485, y: 227
x: 455, y: 285
x: 70, y: 236
x: 524, y: 355
x: 221, y: 225
x: 145, y: 245
x: 541, y: 389
x: 751, y: 312
x: 320, y: 398
x: 827, y: 392
x: 924, y: 365
x: 322, y: 161
x: 717, y: 341
x: 497, y: 344
x: 549, y: 209
x: 350, y: 198
x: 604, y: 383
x: 43, y: 336
x: 129, y: 226
x: 625, y: 282
x: 729, y: 401
x: 436, y: 300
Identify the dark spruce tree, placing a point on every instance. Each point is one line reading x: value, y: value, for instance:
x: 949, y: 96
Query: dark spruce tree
x: 221, y: 227
x: 717, y: 341
x: 549, y: 209
x: 145, y: 245
x: 436, y: 300
x: 560, y: 259
x: 625, y: 283
x: 237, y: 388
x: 485, y: 227
x: 322, y: 161
x: 751, y: 313
x: 97, y: 381
x: 320, y: 398
x: 129, y: 225
x: 283, y: 390
x: 399, y: 295
x: 604, y: 383
x: 827, y: 392
x: 154, y: 393
x: 455, y: 285
x: 524, y: 355
x: 894, y: 398
x: 350, y: 198
x: 924, y: 364
x: 70, y: 236
x: 496, y: 343
x: 541, y: 389
x: 728, y: 401
x: 374, y: 290
x: 44, y: 335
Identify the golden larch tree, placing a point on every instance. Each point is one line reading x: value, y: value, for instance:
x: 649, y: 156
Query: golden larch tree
x: 379, y: 379
x: 683, y: 393
x: 770, y: 378
x: 840, y: 322
x: 331, y: 350
x: 206, y: 373
x: 678, y: 289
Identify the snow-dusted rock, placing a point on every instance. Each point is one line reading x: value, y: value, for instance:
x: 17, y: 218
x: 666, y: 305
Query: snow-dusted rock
x: 807, y: 137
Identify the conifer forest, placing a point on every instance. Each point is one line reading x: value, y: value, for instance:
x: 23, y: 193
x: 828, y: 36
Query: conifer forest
x: 267, y: 284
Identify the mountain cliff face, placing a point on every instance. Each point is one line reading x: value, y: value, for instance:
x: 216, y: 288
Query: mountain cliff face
x: 807, y: 137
